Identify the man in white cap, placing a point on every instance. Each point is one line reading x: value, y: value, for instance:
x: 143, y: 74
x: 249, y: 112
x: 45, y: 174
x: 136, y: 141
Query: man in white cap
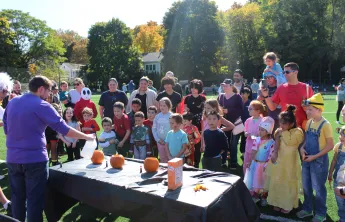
x: 177, y: 88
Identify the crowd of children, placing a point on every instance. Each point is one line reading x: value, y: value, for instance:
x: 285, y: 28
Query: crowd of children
x: 278, y: 164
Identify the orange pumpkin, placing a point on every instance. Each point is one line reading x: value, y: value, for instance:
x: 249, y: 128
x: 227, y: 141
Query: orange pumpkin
x: 117, y: 161
x: 97, y: 157
x: 151, y: 164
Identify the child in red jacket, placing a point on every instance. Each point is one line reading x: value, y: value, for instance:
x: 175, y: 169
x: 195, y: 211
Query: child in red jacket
x: 85, y: 101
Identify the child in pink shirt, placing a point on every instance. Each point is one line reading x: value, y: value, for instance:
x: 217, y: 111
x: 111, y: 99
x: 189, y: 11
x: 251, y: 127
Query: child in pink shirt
x: 256, y: 110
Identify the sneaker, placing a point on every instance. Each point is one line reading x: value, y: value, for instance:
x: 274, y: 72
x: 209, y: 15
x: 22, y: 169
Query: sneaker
x: 224, y: 166
x: 339, y: 123
x: 318, y: 218
x: 263, y: 202
x: 302, y: 214
x: 9, y: 209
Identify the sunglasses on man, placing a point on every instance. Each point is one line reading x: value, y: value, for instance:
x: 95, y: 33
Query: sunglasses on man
x: 288, y: 72
x: 76, y: 84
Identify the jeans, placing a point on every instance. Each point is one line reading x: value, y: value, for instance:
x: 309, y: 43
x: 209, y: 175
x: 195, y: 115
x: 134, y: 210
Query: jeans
x: 314, y: 176
x: 28, y: 185
x: 341, y: 207
x: 140, y: 152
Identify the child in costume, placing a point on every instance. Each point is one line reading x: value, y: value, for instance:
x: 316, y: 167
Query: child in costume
x: 318, y: 142
x: 85, y: 101
x: 140, y: 138
x: 257, y: 110
x: 286, y: 172
x: 263, y: 146
x: 338, y: 170
x: 193, y: 135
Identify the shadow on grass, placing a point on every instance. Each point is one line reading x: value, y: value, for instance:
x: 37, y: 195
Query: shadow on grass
x: 82, y: 212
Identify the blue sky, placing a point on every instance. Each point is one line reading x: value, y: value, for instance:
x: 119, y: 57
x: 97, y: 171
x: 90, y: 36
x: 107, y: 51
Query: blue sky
x: 79, y: 15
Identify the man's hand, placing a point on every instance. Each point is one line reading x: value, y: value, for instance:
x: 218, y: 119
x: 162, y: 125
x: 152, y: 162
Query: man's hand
x: 74, y: 145
x: 90, y: 137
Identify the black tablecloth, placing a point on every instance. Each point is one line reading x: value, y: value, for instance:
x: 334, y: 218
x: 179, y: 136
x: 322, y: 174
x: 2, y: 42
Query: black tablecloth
x: 144, y: 196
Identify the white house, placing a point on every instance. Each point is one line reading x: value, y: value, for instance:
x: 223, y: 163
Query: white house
x: 71, y: 69
x: 152, y: 61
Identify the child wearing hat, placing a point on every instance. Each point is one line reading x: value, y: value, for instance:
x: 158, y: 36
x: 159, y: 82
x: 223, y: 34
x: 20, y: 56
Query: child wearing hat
x: 338, y: 167
x: 318, y: 142
x: 263, y: 146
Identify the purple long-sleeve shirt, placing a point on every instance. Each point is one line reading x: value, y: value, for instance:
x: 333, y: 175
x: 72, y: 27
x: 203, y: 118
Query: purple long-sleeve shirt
x: 234, y: 105
x: 25, y: 120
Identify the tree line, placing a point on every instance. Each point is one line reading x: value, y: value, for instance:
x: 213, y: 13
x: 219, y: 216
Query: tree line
x: 196, y: 39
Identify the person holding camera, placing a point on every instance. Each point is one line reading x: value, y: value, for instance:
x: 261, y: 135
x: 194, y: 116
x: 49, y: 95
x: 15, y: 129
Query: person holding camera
x: 291, y: 93
x: 270, y: 83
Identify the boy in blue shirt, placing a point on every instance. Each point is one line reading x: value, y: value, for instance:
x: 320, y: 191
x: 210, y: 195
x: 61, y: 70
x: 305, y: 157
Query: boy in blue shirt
x: 176, y: 140
x: 216, y: 143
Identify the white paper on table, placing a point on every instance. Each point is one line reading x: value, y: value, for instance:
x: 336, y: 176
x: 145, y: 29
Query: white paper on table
x: 89, y: 148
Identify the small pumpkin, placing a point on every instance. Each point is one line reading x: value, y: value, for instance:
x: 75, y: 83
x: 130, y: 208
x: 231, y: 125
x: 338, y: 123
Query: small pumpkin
x: 117, y: 161
x: 97, y: 157
x: 151, y: 164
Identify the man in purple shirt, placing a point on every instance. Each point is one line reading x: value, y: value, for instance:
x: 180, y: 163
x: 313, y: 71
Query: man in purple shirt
x: 25, y: 120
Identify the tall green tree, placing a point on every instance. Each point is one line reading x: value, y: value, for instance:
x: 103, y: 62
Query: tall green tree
x: 192, y: 39
x: 244, y: 41
x: 111, y: 52
x: 37, y: 42
x: 9, y: 52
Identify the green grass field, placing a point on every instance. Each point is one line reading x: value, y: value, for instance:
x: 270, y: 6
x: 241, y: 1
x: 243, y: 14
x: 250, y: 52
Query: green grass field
x: 82, y: 212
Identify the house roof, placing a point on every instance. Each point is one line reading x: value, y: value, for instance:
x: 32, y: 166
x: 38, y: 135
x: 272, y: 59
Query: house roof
x: 152, y: 57
x: 72, y: 66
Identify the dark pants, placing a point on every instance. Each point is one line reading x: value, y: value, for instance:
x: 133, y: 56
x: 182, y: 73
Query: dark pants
x: 233, y: 142
x: 210, y: 163
x: 73, y: 153
x: 340, y: 106
x: 197, y: 155
x: 60, y: 147
x: 243, y: 142
x: 28, y: 185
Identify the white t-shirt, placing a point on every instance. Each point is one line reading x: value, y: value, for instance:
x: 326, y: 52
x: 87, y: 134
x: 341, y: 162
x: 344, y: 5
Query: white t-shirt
x: 2, y: 112
x: 75, y: 96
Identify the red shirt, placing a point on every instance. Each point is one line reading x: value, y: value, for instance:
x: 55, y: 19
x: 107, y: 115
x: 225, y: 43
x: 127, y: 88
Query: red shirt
x: 122, y: 125
x: 91, y: 124
x: 293, y: 94
x: 80, y: 105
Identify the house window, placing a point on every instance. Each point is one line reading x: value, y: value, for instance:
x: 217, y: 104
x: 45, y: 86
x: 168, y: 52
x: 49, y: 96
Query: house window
x: 150, y: 67
x: 147, y: 67
x: 154, y: 67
